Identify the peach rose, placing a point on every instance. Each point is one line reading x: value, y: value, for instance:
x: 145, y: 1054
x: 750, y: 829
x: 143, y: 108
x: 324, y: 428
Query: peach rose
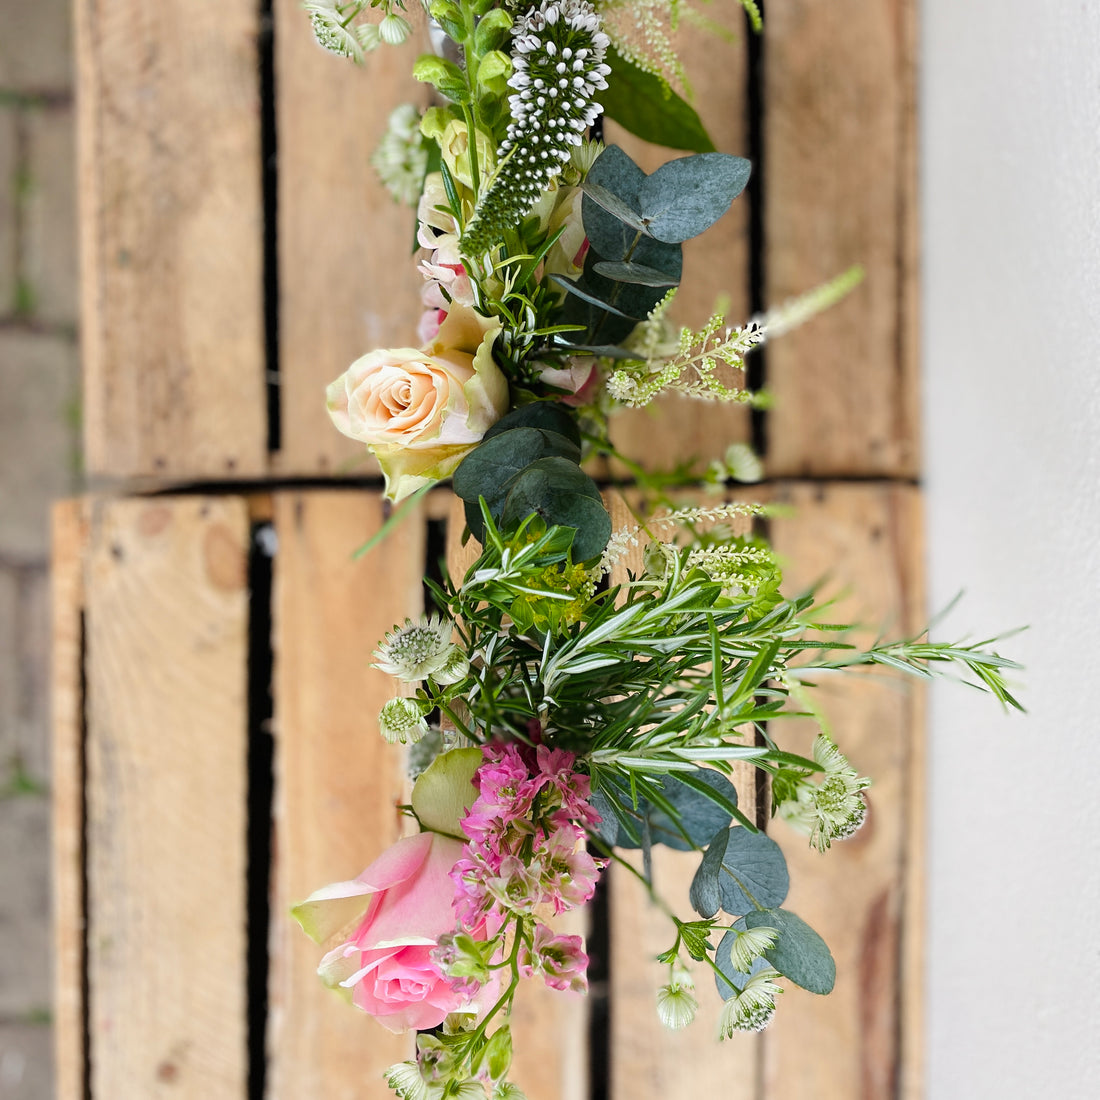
x: 381, y: 929
x: 421, y: 411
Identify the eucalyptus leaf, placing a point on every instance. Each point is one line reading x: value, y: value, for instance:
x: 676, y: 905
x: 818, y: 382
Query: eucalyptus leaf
x: 550, y: 415
x: 592, y: 299
x: 614, y: 172
x: 491, y: 465
x: 699, y: 816
x: 648, y: 107
x: 799, y: 952
x: 561, y: 493
x: 635, y: 273
x: 613, y: 205
x: 685, y: 197
x: 705, y: 894
x: 753, y: 872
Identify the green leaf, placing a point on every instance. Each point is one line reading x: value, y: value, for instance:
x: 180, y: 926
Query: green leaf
x: 799, y: 952
x: 444, y: 792
x: 753, y: 873
x: 646, y: 106
x: 615, y: 173
x: 489, y: 468
x: 694, y: 818
x: 592, y: 299
x: 559, y: 491
x: 687, y: 196
x: 614, y: 206
x: 705, y: 894
x: 552, y: 416
x: 635, y: 273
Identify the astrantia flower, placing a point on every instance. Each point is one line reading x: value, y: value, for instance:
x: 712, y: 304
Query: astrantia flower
x: 401, y: 159
x: 752, y: 1008
x: 402, y: 720
x: 835, y: 808
x: 405, y: 1080
x: 416, y: 651
x: 749, y: 945
x: 676, y: 1003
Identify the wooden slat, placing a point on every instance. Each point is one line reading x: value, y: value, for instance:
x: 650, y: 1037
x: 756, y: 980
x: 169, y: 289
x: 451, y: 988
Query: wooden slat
x: 715, y: 264
x: 840, y: 189
x: 549, y: 1028
x: 649, y: 1062
x: 67, y: 787
x: 347, y: 279
x: 167, y: 636
x: 847, y: 1044
x: 337, y: 781
x: 172, y: 232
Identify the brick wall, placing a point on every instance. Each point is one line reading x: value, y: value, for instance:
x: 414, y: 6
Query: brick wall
x: 39, y: 461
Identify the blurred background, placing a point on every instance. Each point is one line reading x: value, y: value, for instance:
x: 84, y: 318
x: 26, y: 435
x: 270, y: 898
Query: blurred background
x: 1009, y: 169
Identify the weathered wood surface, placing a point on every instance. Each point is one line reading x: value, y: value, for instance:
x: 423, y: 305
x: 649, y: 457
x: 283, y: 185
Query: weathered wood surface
x: 840, y: 171
x: 171, y: 239
x: 863, y: 1039
x: 337, y: 782
x: 347, y: 278
x: 716, y: 265
x: 67, y: 785
x: 166, y: 666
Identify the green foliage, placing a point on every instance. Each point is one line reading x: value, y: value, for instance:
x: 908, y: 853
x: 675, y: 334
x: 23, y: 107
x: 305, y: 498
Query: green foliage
x: 799, y: 952
x: 740, y: 871
x: 645, y: 105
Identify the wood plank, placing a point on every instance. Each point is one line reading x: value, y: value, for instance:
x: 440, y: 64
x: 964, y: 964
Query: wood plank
x: 866, y: 537
x: 337, y: 781
x: 347, y: 279
x: 716, y: 264
x: 167, y: 637
x: 67, y: 789
x: 172, y: 236
x: 840, y: 140
x: 649, y: 1062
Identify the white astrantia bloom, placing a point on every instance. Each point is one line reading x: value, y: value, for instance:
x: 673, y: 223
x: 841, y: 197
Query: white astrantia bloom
x: 401, y: 158
x: 416, y: 651
x: 833, y: 809
x: 676, y: 1003
x: 405, y: 1080
x: 752, y: 1008
x: 748, y: 945
x: 507, y: 1091
x: 402, y: 721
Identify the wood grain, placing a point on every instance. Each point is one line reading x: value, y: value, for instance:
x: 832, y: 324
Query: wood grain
x: 840, y: 189
x: 847, y: 1044
x: 337, y: 782
x: 167, y: 636
x: 716, y: 265
x: 67, y: 789
x: 171, y: 239
x: 649, y: 1062
x: 347, y: 278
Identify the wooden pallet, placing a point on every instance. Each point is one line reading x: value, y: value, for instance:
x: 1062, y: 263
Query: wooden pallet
x: 204, y: 689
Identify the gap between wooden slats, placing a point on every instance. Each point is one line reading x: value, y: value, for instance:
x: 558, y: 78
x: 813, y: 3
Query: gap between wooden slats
x: 347, y: 276
x: 172, y: 232
x: 840, y: 140
x: 862, y: 1040
x: 337, y: 782
x: 67, y: 791
x: 649, y: 1062
x: 166, y: 660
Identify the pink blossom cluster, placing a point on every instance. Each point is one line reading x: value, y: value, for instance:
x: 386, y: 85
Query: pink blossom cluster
x: 525, y: 850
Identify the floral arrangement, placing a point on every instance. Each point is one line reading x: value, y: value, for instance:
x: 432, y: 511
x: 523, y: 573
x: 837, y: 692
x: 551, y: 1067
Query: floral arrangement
x: 560, y: 708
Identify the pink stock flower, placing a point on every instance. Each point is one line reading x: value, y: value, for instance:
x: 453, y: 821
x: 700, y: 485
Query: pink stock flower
x: 559, y: 959
x: 381, y: 929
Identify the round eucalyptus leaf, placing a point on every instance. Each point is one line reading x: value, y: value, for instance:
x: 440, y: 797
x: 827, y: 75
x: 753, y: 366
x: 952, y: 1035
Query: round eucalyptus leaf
x: 753, y: 872
x: 799, y: 952
x: 551, y: 416
x: 687, y: 196
x: 496, y: 460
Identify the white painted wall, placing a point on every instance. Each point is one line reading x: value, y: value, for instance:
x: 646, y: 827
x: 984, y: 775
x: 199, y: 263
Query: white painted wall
x: 1011, y: 227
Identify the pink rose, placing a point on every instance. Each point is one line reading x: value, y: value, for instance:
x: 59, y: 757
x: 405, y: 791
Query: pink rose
x: 421, y: 411
x: 381, y: 929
